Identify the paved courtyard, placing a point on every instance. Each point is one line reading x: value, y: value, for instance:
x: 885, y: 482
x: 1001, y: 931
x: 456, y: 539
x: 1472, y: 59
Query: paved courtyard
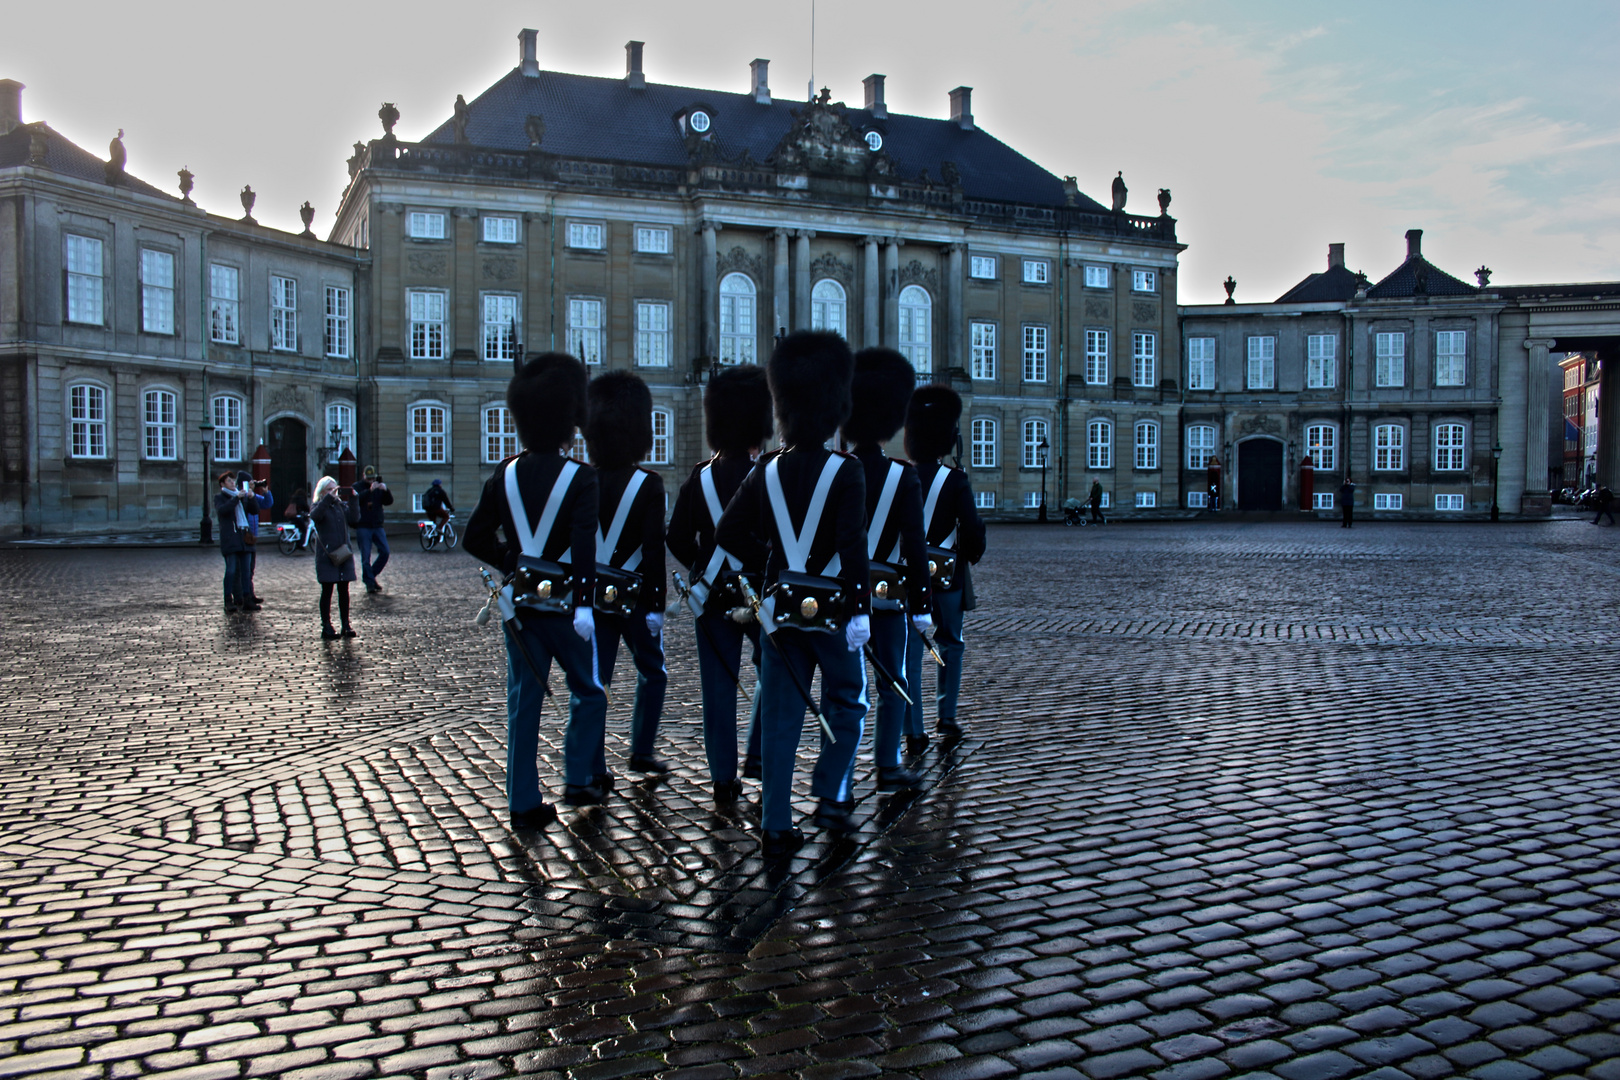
x: 1237, y: 799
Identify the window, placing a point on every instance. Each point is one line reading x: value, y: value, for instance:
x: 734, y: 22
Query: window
x: 662, y: 427
x: 1147, y: 499
x: 1321, y: 361
x: 916, y: 327
x: 340, y: 416
x: 984, y: 444
x: 224, y: 304
x: 1144, y: 366
x: 158, y: 410
x: 87, y: 421
x: 982, y: 267
x: 1200, y: 445
x: 585, y: 329
x: 283, y: 314
x: 1035, y: 354
x: 1096, y: 277
x: 1034, y: 437
x: 1262, y: 363
x: 1321, y: 444
x: 982, y: 350
x: 422, y: 226
x: 578, y: 449
x: 1450, y: 357
x: 500, y: 326
x: 430, y: 429
x: 500, y: 230
x: 827, y: 307
x: 652, y: 333
x: 584, y: 235
x: 84, y: 294
x: 1144, y: 280
x: 500, y: 434
x: 1099, y: 445
x: 1147, y: 444
x: 1389, y: 448
x: 227, y: 413
x: 1387, y: 501
x: 1201, y: 363
x: 1036, y: 271
x: 427, y: 324
x: 652, y: 241
x: 984, y: 500
x: 1448, y: 447
x: 738, y: 340
x: 1198, y: 500
x: 1322, y: 500
x: 1449, y: 503
x: 1097, y: 357
x: 339, y: 310
x: 1391, y: 365
x: 157, y: 291
x: 416, y: 503
x: 1032, y: 500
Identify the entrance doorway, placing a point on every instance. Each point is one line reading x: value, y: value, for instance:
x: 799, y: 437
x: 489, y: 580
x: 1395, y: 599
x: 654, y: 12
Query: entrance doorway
x: 1260, y: 467
x: 289, y: 461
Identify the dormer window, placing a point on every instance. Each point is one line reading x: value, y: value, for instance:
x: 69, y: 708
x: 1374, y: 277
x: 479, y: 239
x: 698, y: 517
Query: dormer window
x: 699, y: 121
x: 874, y: 141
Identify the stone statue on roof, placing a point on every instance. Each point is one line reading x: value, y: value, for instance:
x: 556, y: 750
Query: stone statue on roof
x: 458, y: 120
x: 117, y: 157
x: 1119, y: 192
x: 535, y: 128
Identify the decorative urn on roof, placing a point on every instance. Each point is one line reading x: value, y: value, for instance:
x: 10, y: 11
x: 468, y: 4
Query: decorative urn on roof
x: 389, y: 117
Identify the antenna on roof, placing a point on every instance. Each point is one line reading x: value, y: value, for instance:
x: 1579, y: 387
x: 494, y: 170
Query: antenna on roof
x: 812, y: 96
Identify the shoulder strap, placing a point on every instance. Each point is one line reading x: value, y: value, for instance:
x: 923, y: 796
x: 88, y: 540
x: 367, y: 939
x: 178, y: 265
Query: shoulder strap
x: 534, y: 543
x: 932, y: 500
x: 796, y: 545
x: 607, y: 544
x: 711, y: 494
x: 880, y: 516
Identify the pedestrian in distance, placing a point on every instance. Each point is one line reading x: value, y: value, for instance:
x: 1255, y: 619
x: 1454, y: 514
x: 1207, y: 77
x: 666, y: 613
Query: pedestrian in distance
x: 297, y: 508
x: 231, y: 511
x: 1212, y: 475
x: 1095, y: 498
x: 259, y: 499
x: 334, y: 555
x: 629, y: 541
x: 436, y: 503
x: 1603, y: 502
x: 371, y: 495
x: 1347, y: 502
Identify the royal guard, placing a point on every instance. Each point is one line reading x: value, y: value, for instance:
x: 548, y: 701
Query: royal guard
x: 808, y: 505
x: 955, y: 540
x: 629, y: 598
x: 901, y: 603
x: 544, y: 502
x: 737, y: 422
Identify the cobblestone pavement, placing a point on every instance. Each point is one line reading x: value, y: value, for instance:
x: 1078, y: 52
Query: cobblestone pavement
x: 1237, y: 799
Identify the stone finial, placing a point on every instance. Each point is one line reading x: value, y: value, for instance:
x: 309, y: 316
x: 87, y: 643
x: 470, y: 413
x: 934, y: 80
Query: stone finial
x: 1071, y: 190
x: 1164, y: 202
x: 248, y: 198
x: 1361, y: 285
x: 1230, y: 285
x: 186, y: 177
x: 1483, y: 275
x: 307, y: 213
x: 389, y: 117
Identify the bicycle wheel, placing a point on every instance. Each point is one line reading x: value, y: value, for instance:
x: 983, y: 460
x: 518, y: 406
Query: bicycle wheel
x: 450, y: 536
x: 287, y: 544
x: 428, y: 538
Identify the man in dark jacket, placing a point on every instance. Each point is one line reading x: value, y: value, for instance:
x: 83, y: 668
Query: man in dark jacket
x: 1347, y: 502
x: 372, y: 495
x: 231, y: 510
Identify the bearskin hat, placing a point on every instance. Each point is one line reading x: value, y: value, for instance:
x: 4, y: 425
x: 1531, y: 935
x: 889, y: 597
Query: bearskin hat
x: 547, y: 399
x: 618, y: 419
x: 879, y: 396
x: 737, y: 409
x: 810, y: 373
x: 931, y: 422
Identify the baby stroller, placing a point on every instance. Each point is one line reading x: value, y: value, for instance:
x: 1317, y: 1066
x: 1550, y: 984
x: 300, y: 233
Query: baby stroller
x: 1074, y: 512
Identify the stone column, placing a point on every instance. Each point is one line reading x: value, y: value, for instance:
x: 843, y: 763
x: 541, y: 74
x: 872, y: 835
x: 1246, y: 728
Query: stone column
x: 1536, y: 500
x: 801, y: 279
x: 1608, y: 420
x: 871, y: 327
x: 779, y: 285
x: 709, y: 290
x: 955, y: 316
x: 467, y: 320
x: 537, y: 312
x: 891, y: 291
x: 389, y: 309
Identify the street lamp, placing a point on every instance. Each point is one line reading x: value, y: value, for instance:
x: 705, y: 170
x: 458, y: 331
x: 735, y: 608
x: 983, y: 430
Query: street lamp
x: 205, y: 532
x: 1042, y: 446
x: 1496, y: 463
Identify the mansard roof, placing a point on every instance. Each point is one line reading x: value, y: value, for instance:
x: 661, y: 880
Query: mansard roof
x: 1403, y: 282
x: 1333, y: 284
x: 64, y: 156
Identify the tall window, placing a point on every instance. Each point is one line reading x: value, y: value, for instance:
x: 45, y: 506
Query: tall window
x: 1144, y: 280
x: 500, y: 230
x: 1096, y: 277
x: 1201, y: 363
x: 159, y: 415
x: 652, y: 241
x: 1035, y: 354
x: 87, y: 421
x: 1450, y: 357
x: 1321, y: 361
x: 84, y: 294
x: 916, y: 327
x: 1034, y: 436
x: 427, y: 324
x: 584, y: 234
x: 283, y: 314
x: 227, y: 412
x: 1448, y: 447
x: 224, y: 304
x: 340, y: 415
x: 982, y: 267
x: 1200, y: 445
x: 425, y: 226
x: 585, y: 329
x: 1147, y: 444
x: 738, y: 339
x: 1099, y: 445
x: 663, y: 426
x: 982, y: 350
x: 827, y: 307
x: 1389, y: 448
x: 157, y: 291
x: 1036, y: 271
x: 430, y: 431
x: 500, y: 326
x: 339, y: 316
x: 500, y: 434
x: 984, y: 444
x: 1144, y: 359
x: 1321, y: 443
x: 1097, y: 357
x: 1262, y: 363
x: 652, y: 333
x: 1391, y: 360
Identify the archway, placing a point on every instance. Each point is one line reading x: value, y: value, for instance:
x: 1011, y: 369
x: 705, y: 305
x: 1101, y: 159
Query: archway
x: 1260, y: 474
x: 289, y: 460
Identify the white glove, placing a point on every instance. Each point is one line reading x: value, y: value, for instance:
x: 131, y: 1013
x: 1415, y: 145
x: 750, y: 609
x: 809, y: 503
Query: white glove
x: 858, y: 632
x: 584, y: 623
x: 923, y: 623
x: 655, y: 623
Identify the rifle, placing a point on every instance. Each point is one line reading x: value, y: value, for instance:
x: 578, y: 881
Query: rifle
x: 753, y: 602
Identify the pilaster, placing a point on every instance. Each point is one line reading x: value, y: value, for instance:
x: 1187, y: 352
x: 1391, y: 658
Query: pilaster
x: 871, y: 327
x: 1536, y: 500
x: 801, y: 278
x: 779, y: 283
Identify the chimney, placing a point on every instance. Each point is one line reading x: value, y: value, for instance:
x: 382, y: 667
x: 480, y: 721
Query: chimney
x: 10, y: 105
x: 1414, y: 243
x: 528, y: 58
x: 633, y: 78
x: 1335, y: 255
x: 874, y: 97
x: 759, y: 81
x: 962, y: 107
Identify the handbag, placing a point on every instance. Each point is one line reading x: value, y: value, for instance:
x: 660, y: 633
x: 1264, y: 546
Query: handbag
x: 250, y: 536
x: 340, y: 554
x: 617, y: 591
x: 888, y: 587
x: 808, y: 601
x: 543, y: 585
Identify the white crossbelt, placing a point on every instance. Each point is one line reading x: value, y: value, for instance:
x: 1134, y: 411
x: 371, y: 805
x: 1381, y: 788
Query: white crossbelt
x: 796, y: 544
x: 880, y: 516
x: 607, y: 544
x: 929, y: 505
x: 721, y: 559
x: 533, y: 542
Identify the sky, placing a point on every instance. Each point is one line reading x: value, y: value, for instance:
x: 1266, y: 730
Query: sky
x: 1280, y: 127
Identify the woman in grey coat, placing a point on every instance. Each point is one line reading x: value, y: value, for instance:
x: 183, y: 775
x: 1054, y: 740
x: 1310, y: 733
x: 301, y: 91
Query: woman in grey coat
x: 332, y: 517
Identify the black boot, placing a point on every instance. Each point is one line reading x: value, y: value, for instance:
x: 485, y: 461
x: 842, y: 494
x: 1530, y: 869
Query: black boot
x: 837, y: 817
x: 646, y: 763
x: 751, y: 767
x: 916, y: 744
x: 898, y: 778
x: 727, y: 793
x: 328, y: 634
x: 777, y: 844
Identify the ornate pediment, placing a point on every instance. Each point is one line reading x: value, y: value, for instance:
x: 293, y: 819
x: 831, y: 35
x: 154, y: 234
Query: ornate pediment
x: 287, y: 399
x: 1260, y: 425
x: 831, y: 266
x: 915, y: 273
x: 822, y: 140
x: 738, y: 259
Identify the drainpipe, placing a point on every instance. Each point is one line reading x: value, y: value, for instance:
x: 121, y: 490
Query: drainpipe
x: 551, y: 276
x: 1349, y: 382
x: 1063, y: 369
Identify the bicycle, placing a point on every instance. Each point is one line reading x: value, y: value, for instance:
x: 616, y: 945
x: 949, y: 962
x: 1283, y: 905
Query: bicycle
x: 293, y: 536
x: 431, y: 534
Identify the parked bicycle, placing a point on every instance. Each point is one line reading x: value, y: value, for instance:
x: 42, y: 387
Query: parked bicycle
x: 295, y: 536
x: 432, y: 534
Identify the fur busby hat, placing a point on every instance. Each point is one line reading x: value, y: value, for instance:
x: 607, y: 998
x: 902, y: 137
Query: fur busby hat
x: 547, y: 399
x: 810, y: 373
x: 618, y: 420
x: 879, y: 396
x: 931, y: 422
x: 737, y: 409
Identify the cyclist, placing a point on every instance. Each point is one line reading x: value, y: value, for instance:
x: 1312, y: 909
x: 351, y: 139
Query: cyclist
x: 436, y: 504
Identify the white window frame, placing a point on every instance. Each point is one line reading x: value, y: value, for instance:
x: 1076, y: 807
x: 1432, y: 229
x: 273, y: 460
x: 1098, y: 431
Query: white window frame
x: 424, y: 225
x: 157, y: 291
x: 226, y: 411
x: 1451, y: 358
x: 982, y: 350
x: 829, y: 305
x: 340, y: 415
x: 224, y: 304
x: 587, y: 235
x: 1034, y: 432
x: 578, y: 450
x: 1322, y: 500
x: 1144, y: 358
x: 1322, y: 446
x: 1200, y: 449
x: 1321, y: 361
x: 1388, y: 500
x: 87, y: 421
x: 416, y: 503
x: 339, y: 321
x: 1197, y: 500
x: 160, y: 424
x: 1262, y: 366
x: 663, y: 438
x: 1096, y: 357
x: 423, y: 444
x: 1389, y: 448
x: 1100, y: 444
x: 500, y: 229
x: 1200, y: 363
x: 739, y: 334
x: 1390, y: 365
x: 283, y: 314
x: 1037, y: 272
x: 84, y: 264
x: 425, y: 311
x: 1096, y: 277
x: 917, y: 328
x: 1032, y: 500
x: 587, y: 317
x: 654, y: 240
x: 500, y: 317
x: 653, y: 318
x: 1144, y: 281
x: 1450, y: 502
x: 982, y: 443
x: 1147, y: 444
x: 1450, y: 455
x: 1147, y: 500
x: 497, y: 433
x: 982, y: 267
x: 1036, y: 336
x: 984, y: 500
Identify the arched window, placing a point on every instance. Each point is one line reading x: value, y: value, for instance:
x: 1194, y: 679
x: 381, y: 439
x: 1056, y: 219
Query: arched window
x: 158, y: 415
x: 984, y: 444
x: 827, y: 307
x: 1322, y: 444
x: 663, y: 430
x: 500, y: 434
x: 1034, y: 436
x: 1200, y: 445
x: 429, y: 442
x: 1448, y: 447
x: 227, y: 412
x: 1147, y: 444
x: 340, y: 417
x: 1099, y: 445
x: 916, y: 328
x: 738, y: 339
x: 87, y: 420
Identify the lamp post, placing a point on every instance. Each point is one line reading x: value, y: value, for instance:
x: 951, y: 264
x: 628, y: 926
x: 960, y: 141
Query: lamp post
x: 1042, y: 446
x: 1496, y: 464
x: 205, y: 532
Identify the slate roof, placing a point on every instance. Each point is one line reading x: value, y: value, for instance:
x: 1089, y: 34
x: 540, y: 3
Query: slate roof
x: 1334, y: 283
x: 592, y: 117
x: 64, y: 156
x: 1402, y: 283
x: 1584, y: 290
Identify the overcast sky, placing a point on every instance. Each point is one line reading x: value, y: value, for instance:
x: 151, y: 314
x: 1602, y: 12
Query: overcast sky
x: 1279, y: 126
